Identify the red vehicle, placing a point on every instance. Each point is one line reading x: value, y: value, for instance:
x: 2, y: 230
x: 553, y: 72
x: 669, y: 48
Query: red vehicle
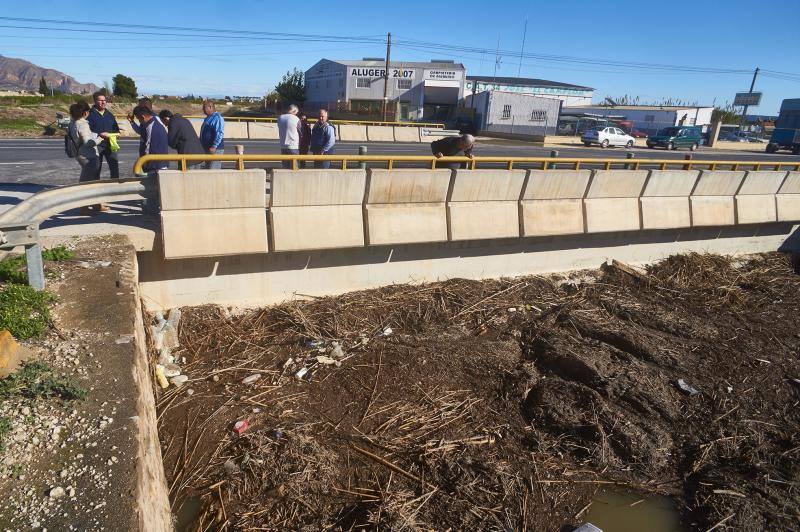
x: 635, y: 133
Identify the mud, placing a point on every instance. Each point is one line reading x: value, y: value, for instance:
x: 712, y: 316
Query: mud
x: 499, y: 404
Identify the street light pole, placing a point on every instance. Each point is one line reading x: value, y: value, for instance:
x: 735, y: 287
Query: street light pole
x: 752, y: 86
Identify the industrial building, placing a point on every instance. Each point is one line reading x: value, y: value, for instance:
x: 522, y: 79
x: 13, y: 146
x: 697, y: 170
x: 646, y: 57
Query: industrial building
x: 566, y: 92
x: 514, y: 113
x: 646, y: 118
x: 416, y: 90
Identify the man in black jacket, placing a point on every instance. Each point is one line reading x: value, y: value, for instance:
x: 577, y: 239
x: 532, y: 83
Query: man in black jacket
x: 101, y: 120
x: 450, y: 146
x: 181, y: 135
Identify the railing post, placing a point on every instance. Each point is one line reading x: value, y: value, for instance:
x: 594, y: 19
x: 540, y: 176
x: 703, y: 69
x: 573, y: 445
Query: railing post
x: 33, y: 256
x: 553, y: 155
x: 629, y: 155
x: 687, y: 157
x: 362, y: 150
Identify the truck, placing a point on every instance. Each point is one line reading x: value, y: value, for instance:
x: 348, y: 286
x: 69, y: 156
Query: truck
x: 786, y: 135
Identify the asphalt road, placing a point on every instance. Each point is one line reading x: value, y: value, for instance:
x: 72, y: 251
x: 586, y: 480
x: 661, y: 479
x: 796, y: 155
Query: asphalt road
x: 43, y: 162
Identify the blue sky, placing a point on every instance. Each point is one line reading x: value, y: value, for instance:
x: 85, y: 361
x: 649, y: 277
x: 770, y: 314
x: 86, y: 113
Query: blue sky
x: 729, y: 35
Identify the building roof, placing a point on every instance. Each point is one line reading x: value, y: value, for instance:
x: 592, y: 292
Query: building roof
x: 640, y: 107
x: 381, y: 62
x: 527, y: 82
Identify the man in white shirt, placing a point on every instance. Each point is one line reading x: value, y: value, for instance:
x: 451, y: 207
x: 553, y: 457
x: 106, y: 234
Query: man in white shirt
x: 289, y: 133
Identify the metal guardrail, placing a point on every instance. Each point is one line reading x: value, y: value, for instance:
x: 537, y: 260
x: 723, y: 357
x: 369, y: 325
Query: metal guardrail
x: 545, y: 163
x: 19, y: 226
x: 341, y: 122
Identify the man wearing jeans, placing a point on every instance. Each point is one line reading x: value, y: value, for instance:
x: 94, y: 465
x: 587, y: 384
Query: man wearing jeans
x: 323, y: 138
x: 212, y: 134
x: 289, y: 134
x: 102, y: 121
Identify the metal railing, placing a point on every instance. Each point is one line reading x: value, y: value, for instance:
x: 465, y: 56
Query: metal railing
x: 19, y: 226
x: 544, y: 163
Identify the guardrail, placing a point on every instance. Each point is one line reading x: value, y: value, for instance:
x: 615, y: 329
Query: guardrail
x: 312, y: 120
x: 544, y: 163
x: 19, y: 226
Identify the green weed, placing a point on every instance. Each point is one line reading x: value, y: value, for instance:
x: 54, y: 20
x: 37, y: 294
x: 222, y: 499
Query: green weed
x: 36, y: 379
x: 19, y: 124
x: 5, y: 428
x: 12, y: 270
x: 58, y: 254
x: 24, y: 311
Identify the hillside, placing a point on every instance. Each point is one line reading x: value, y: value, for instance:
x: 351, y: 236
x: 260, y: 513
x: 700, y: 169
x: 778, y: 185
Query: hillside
x: 18, y: 74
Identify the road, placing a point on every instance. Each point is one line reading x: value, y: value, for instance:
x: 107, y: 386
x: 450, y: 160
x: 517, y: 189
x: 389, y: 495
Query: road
x: 42, y: 162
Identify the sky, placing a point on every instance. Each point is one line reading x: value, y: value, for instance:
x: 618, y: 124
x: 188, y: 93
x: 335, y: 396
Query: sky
x: 712, y: 47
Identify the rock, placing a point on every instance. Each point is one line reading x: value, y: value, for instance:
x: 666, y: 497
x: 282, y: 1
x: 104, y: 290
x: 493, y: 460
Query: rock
x: 337, y: 351
x: 327, y: 361
x: 190, y: 391
x: 104, y: 263
x: 215, y: 378
x: 56, y: 493
x: 62, y: 474
x: 70, y: 491
x: 124, y: 339
x: 179, y: 380
x: 231, y: 468
x: 251, y: 378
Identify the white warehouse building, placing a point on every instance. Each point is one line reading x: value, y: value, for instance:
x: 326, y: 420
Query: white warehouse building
x: 416, y: 90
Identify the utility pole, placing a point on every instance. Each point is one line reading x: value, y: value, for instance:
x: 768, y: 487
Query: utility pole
x: 386, y: 74
x: 522, y: 50
x: 497, y: 58
x: 752, y: 85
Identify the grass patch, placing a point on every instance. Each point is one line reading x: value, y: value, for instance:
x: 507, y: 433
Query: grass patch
x: 58, y: 254
x: 12, y: 270
x: 36, y: 379
x: 19, y: 124
x: 24, y: 311
x: 5, y: 428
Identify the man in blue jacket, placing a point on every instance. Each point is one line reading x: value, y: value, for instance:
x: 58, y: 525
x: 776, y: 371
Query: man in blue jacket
x: 212, y: 134
x: 323, y: 139
x: 102, y: 121
x: 154, y: 139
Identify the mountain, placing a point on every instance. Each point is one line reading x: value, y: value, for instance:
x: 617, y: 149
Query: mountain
x: 18, y: 74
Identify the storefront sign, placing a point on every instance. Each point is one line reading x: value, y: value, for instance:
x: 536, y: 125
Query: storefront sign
x: 444, y: 75
x: 394, y: 73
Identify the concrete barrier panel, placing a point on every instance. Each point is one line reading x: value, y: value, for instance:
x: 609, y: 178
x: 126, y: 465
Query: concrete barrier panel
x: 380, y: 133
x: 212, y: 189
x: 712, y: 199
x: 406, y: 223
x: 408, y: 186
x: 406, y: 134
x: 712, y: 211
x: 262, y: 130
x: 612, y: 202
x: 352, y: 132
x: 788, y: 198
x: 406, y: 206
x: 235, y: 130
x: 213, y: 232
x: 755, y: 201
x: 484, y: 204
x: 317, y: 187
x: 317, y: 209
x: 316, y: 227
x: 197, y: 124
x: 125, y: 128
x: 665, y: 200
x: 552, y: 202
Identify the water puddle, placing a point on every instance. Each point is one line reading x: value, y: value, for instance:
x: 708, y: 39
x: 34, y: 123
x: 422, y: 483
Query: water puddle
x: 623, y: 512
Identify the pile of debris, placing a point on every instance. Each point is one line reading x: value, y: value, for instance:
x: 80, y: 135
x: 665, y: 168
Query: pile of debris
x: 501, y: 404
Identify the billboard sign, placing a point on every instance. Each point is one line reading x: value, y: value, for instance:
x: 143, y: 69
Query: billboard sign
x: 747, y: 98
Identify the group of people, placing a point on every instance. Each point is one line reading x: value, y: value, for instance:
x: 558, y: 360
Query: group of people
x: 297, y: 137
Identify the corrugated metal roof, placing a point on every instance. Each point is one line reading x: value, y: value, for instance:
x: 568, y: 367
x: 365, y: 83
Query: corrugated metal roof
x: 419, y: 64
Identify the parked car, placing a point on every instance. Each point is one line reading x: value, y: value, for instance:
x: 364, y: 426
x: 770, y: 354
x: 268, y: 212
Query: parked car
x: 727, y: 136
x: 635, y: 133
x: 676, y: 137
x: 607, y: 136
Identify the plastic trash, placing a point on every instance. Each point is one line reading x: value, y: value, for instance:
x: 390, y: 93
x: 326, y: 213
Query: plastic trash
x: 251, y: 378
x: 158, y: 337
x: 328, y: 361
x: 171, y: 370
x: 164, y: 357
x: 170, y: 336
x: 240, y: 427
x: 337, y: 351
x: 301, y: 373
x: 174, y: 317
x: 315, y: 344
x: 161, y: 378
x: 588, y: 527
x: 179, y: 380
x: 387, y: 331
x: 687, y: 388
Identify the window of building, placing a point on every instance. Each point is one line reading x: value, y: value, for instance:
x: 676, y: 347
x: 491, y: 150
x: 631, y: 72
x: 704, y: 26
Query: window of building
x: 403, y: 84
x: 506, y: 111
x: 363, y: 83
x: 538, y: 115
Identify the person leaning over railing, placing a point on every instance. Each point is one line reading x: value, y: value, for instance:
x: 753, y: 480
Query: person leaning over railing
x: 88, y: 145
x: 450, y: 146
x: 212, y: 134
x: 181, y: 135
x: 323, y: 139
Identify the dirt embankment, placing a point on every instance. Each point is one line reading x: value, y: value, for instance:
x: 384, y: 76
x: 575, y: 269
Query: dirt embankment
x: 498, y: 404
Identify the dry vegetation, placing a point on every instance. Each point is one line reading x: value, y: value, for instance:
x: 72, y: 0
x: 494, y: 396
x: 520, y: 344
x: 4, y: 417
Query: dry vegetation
x: 497, y: 404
